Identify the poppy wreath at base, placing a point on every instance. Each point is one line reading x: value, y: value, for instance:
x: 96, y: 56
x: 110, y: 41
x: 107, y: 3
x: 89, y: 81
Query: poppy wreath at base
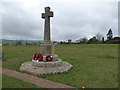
x: 39, y: 57
x: 49, y: 58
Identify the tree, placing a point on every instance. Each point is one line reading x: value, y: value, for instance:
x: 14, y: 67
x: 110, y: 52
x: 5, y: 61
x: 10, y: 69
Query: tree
x: 93, y: 40
x: 115, y: 40
x: 99, y: 36
x: 83, y: 40
x: 18, y: 43
x: 103, y: 40
x: 110, y: 35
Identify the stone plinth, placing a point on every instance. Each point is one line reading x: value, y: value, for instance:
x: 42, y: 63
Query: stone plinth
x: 47, y: 64
x: 47, y: 49
x: 40, y: 68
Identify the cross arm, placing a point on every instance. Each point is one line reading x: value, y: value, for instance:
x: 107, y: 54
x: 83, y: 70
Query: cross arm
x: 43, y: 15
x: 51, y: 14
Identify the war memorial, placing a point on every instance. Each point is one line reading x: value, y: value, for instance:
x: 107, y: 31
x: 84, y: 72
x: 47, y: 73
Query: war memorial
x: 45, y: 61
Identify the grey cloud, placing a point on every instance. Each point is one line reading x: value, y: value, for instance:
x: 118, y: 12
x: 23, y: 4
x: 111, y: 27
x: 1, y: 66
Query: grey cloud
x: 71, y: 20
x: 94, y: 20
x: 18, y: 22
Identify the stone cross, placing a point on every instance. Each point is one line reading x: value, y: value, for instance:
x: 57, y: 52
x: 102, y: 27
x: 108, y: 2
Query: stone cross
x: 47, y: 16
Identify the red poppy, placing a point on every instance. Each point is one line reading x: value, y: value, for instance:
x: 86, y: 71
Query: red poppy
x: 49, y: 58
x: 39, y: 57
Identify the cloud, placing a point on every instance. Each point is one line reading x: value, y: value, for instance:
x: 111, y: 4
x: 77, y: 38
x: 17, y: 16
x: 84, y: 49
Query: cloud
x: 22, y: 19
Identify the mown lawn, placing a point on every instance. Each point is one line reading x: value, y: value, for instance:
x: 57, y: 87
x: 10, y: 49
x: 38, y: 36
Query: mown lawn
x: 0, y: 81
x: 94, y: 65
x: 0, y: 48
x: 0, y: 53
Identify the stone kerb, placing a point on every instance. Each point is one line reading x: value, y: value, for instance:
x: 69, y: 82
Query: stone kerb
x: 28, y: 67
x: 47, y: 64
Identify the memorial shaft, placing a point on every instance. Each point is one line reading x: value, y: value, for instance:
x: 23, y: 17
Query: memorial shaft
x: 47, y: 38
x: 48, y: 49
x: 46, y: 16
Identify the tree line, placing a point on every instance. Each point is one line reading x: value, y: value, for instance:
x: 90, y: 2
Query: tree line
x: 98, y: 39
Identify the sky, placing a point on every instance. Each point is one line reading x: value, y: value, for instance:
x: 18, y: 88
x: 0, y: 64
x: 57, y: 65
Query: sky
x: 73, y: 19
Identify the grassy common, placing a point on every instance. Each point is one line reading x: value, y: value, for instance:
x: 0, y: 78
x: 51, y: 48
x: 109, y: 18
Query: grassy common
x: 94, y: 65
x: 11, y: 82
x: 0, y: 53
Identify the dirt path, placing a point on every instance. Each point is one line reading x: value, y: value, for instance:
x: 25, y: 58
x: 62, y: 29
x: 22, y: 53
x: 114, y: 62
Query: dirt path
x: 33, y: 79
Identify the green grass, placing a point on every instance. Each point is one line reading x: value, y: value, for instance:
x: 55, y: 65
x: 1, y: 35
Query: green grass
x: 15, y: 55
x: 94, y: 65
x: 0, y: 53
x: 10, y: 82
x: 0, y: 48
x: 0, y: 81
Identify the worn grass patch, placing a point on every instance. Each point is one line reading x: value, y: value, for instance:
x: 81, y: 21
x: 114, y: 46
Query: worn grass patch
x: 94, y: 65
